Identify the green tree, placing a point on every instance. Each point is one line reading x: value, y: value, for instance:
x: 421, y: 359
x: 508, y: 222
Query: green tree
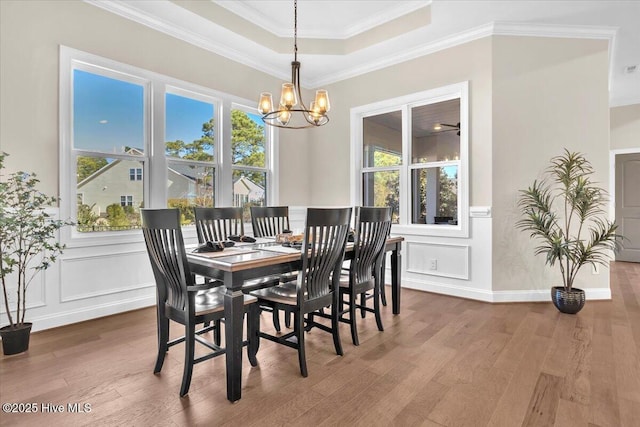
x: 448, y: 205
x: 247, y: 140
x: 387, y: 183
x: 200, y: 149
x: 86, y: 217
x: 116, y: 216
x: 88, y: 165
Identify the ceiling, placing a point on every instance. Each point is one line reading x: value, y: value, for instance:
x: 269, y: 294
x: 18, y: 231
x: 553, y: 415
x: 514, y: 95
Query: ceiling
x: 342, y: 39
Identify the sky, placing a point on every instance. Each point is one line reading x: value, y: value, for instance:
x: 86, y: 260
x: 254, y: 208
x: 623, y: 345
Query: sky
x: 109, y: 114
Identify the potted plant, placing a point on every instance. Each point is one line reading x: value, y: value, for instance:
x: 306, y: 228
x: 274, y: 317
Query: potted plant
x: 565, y: 212
x: 27, y: 246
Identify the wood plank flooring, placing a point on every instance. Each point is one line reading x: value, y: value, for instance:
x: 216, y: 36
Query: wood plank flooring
x: 444, y: 361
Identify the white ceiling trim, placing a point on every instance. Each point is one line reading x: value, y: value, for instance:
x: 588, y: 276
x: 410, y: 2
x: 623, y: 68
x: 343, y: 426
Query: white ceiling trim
x: 252, y: 15
x: 492, y: 29
x: 183, y: 33
x: 495, y: 28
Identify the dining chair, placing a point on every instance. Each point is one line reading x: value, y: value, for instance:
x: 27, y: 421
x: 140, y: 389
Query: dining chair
x: 365, y: 271
x: 181, y: 300
x: 323, y: 247
x: 217, y: 224
x: 269, y: 221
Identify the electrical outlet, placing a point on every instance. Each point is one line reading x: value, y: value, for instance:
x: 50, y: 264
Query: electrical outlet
x: 595, y: 269
x: 433, y: 264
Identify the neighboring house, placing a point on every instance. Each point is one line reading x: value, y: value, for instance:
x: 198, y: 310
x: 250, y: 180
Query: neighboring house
x: 245, y: 190
x: 122, y: 182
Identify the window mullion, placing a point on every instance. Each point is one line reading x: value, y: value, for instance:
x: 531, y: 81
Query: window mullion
x: 156, y: 168
x: 405, y: 198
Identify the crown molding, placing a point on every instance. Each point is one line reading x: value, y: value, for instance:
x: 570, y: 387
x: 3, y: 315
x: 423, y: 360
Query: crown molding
x: 491, y: 29
x: 128, y: 11
x: 139, y: 16
x: 250, y: 14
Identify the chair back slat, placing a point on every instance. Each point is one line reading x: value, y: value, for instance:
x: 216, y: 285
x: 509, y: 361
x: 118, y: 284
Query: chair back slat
x: 217, y: 224
x: 269, y: 221
x: 326, y: 236
x: 165, y: 246
x: 373, y: 226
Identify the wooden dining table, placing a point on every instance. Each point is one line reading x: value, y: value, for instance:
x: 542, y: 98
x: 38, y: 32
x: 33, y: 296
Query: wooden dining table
x: 265, y: 257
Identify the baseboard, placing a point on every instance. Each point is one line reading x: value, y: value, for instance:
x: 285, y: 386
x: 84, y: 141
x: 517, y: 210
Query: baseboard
x: 532, y: 295
x: 87, y: 313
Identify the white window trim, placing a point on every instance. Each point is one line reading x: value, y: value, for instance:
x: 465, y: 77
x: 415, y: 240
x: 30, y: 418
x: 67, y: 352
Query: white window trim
x: 404, y: 104
x: 156, y: 87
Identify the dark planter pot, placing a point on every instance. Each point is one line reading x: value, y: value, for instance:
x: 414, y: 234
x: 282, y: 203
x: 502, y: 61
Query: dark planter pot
x: 15, y: 340
x: 569, y: 302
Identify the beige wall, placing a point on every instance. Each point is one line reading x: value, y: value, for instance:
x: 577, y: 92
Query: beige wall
x: 330, y: 145
x: 30, y: 35
x: 625, y: 127
x: 548, y: 94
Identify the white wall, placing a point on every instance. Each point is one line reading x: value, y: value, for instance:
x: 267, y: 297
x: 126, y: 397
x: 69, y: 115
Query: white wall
x: 548, y: 94
x: 625, y: 127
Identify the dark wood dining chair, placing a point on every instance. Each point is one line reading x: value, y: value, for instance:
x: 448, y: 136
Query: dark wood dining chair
x: 217, y: 224
x: 269, y: 221
x: 365, y: 271
x: 181, y: 300
x: 323, y: 249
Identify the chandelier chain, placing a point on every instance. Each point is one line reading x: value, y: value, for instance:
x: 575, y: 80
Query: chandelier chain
x: 295, y: 30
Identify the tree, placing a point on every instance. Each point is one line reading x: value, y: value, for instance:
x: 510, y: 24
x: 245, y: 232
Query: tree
x: 116, y: 216
x: 86, y: 217
x: 387, y: 183
x: 89, y: 165
x: 448, y: 205
x: 200, y: 149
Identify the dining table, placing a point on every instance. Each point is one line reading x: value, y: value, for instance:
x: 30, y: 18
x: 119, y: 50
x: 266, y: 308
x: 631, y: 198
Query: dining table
x: 253, y: 260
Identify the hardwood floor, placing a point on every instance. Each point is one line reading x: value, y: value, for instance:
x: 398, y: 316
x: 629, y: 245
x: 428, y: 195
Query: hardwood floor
x: 443, y: 362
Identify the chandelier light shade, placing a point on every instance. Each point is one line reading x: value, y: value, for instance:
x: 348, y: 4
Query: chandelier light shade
x: 291, y: 112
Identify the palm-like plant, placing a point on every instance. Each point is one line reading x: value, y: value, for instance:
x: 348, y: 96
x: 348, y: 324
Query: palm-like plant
x: 565, y: 212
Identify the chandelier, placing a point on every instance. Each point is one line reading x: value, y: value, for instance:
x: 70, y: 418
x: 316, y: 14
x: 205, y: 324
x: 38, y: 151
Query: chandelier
x: 291, y: 105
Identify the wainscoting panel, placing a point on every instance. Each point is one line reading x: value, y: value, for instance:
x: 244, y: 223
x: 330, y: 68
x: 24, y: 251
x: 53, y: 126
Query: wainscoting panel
x: 104, y: 274
x: 438, y: 259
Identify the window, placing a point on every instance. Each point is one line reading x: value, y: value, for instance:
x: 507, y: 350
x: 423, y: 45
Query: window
x: 136, y: 139
x: 190, y: 146
x: 248, y: 154
x: 126, y: 200
x: 135, y: 174
x: 412, y: 156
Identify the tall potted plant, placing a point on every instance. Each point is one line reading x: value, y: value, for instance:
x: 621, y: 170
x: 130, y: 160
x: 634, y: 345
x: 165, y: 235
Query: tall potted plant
x: 27, y: 246
x: 565, y: 212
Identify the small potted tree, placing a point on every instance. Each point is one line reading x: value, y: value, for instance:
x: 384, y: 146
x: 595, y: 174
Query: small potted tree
x: 565, y: 212
x: 27, y: 246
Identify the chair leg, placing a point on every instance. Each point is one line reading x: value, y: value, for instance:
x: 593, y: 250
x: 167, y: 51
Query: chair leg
x: 216, y: 332
x: 383, y: 293
x: 253, y: 327
x: 298, y: 326
x: 163, y: 339
x: 335, y: 328
x: 376, y: 307
x: 363, y: 303
x: 352, y: 317
x: 276, y: 319
x: 189, y: 341
x: 287, y: 318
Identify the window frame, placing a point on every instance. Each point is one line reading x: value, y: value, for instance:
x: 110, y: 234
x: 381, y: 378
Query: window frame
x: 154, y: 161
x: 405, y: 104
